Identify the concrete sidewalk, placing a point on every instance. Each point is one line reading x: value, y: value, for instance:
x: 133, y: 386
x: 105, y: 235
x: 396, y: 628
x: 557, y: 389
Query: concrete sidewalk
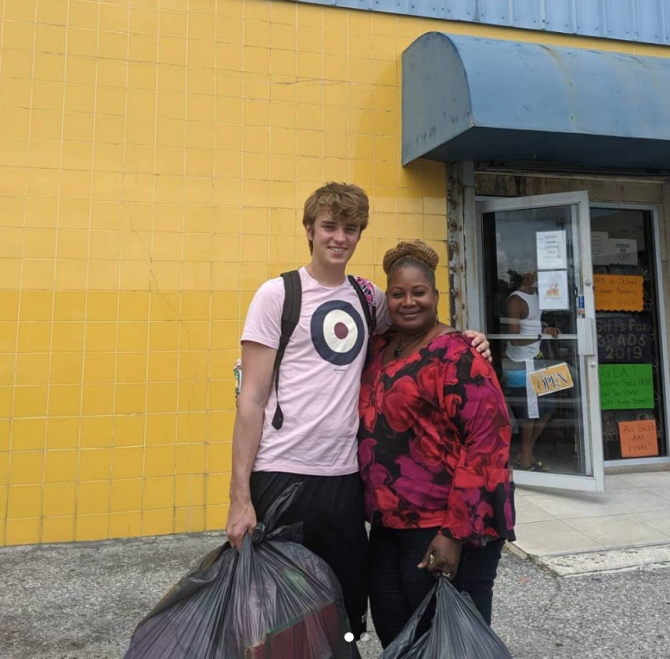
x: 82, y: 601
x: 634, y: 511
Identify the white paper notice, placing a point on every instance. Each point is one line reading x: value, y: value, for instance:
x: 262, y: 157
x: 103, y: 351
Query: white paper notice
x: 551, y: 252
x: 612, y: 251
x: 599, y: 247
x: 623, y: 251
x: 552, y: 288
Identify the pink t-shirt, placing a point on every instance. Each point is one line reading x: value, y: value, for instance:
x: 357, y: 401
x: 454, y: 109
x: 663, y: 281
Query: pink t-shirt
x: 319, y: 378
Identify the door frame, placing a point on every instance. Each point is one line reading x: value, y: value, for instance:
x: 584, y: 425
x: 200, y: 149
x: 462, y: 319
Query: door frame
x: 589, y: 371
x: 663, y: 333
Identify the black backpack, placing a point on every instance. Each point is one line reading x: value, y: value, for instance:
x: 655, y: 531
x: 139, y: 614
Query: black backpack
x: 290, y: 317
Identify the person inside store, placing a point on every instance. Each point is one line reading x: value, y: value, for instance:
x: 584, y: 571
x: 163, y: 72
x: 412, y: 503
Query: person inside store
x: 523, y: 356
x: 434, y: 442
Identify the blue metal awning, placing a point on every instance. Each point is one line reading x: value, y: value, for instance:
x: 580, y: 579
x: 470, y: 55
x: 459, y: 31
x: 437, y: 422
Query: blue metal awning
x: 466, y: 98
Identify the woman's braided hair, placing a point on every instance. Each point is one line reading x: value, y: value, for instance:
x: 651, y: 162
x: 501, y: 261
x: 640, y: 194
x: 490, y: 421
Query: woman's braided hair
x: 413, y: 253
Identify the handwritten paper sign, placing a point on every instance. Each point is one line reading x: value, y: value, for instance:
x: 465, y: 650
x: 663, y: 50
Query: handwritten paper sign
x: 618, y: 292
x: 624, y: 339
x: 638, y: 438
x: 552, y: 379
x: 626, y: 387
x: 551, y: 250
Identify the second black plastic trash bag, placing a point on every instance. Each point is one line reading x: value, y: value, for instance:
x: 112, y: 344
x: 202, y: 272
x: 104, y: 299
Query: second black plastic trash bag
x: 274, y: 599
x: 457, y: 630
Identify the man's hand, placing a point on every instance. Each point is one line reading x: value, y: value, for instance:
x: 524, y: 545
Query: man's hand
x: 241, y: 520
x: 480, y: 342
x: 552, y: 331
x: 443, y: 555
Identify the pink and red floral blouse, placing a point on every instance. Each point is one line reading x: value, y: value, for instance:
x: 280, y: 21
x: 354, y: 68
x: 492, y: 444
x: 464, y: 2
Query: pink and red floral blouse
x: 434, y: 442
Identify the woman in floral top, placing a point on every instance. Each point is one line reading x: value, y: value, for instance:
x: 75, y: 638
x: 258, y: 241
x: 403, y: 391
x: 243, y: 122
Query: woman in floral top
x: 434, y: 444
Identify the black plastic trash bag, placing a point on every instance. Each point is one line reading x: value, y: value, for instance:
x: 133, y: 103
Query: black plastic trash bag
x: 274, y: 599
x: 457, y: 631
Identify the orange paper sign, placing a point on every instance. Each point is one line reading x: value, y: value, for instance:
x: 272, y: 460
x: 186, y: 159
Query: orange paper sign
x: 618, y: 292
x: 638, y: 438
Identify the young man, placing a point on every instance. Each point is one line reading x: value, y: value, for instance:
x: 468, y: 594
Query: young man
x: 318, y: 391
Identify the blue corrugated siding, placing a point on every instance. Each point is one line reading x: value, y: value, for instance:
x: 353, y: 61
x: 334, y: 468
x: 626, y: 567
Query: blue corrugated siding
x: 642, y: 21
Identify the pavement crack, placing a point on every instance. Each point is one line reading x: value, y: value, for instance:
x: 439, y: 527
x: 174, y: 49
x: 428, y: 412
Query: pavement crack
x: 559, y: 591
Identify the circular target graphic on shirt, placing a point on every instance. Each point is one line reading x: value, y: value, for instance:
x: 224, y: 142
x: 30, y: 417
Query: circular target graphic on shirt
x: 337, y: 331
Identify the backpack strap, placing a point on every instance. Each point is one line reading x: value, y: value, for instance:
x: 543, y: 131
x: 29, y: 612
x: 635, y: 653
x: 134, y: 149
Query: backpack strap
x: 290, y: 316
x: 365, y: 294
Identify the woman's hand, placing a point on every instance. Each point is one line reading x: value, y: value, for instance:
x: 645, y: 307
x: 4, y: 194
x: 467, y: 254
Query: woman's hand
x: 443, y: 555
x: 480, y: 342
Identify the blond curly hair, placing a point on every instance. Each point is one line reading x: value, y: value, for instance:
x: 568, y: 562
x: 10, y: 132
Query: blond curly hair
x: 344, y: 201
x: 413, y: 253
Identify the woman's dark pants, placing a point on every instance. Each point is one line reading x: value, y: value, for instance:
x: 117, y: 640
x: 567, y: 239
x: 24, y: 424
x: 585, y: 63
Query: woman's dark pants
x: 397, y: 586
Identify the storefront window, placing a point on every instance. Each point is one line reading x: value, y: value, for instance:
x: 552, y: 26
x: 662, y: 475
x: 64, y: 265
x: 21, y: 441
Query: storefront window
x: 627, y: 321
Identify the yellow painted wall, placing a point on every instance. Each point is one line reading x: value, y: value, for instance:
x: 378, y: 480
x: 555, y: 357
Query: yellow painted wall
x: 154, y: 156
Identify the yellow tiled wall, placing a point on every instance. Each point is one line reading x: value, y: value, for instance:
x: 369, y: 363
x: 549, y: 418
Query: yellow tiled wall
x: 154, y: 156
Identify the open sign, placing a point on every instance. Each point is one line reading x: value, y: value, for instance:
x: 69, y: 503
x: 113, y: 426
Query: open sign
x: 550, y: 380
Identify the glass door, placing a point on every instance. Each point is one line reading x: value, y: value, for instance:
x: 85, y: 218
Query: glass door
x: 538, y: 312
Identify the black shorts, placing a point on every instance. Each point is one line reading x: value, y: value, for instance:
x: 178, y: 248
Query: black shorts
x: 517, y: 398
x: 333, y: 516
